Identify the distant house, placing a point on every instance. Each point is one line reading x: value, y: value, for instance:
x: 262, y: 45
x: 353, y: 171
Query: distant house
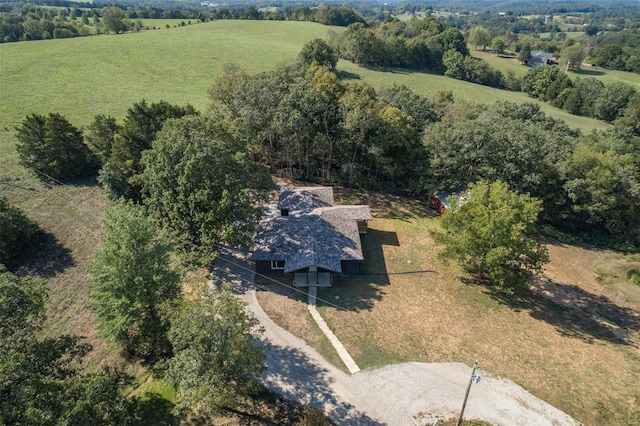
x: 438, y: 200
x: 540, y: 59
x: 439, y: 203
x: 310, y: 237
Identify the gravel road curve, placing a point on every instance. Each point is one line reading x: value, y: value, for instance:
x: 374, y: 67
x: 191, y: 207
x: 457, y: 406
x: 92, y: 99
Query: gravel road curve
x: 403, y: 394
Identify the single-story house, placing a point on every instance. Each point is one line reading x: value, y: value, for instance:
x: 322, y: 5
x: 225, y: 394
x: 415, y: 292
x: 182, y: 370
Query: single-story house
x: 310, y: 237
x: 540, y: 58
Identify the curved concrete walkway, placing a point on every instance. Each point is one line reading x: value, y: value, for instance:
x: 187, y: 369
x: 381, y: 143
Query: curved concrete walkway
x: 403, y: 394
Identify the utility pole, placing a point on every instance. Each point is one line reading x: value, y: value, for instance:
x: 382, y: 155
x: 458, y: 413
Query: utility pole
x: 474, y: 379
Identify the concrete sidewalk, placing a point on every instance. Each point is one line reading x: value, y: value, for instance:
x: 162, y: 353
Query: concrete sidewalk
x: 337, y: 344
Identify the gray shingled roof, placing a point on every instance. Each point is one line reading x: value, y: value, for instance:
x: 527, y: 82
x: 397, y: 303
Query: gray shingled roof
x: 320, y: 236
x: 302, y: 200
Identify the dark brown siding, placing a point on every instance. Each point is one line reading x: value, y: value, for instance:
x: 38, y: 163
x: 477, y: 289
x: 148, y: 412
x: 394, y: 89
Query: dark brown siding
x: 350, y: 267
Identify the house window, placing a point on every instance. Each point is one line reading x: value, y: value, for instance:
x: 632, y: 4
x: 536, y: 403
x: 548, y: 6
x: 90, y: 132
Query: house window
x: 277, y: 264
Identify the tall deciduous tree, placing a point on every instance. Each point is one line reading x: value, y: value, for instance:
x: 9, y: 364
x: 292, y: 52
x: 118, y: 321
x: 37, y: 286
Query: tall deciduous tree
x: 603, y: 182
x: 38, y: 382
x: 16, y: 229
x: 485, y: 230
x: 202, y: 186
x: 524, y: 54
x: 131, y: 280
x: 319, y: 52
x: 114, y: 20
x: 216, y: 361
x: 498, y: 45
x: 120, y: 173
x: 54, y: 147
x: 479, y: 37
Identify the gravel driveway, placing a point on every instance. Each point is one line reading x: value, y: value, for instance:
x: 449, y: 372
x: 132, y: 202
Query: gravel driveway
x: 403, y: 394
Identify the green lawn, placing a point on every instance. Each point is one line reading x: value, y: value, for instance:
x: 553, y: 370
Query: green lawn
x: 570, y: 34
x: 510, y: 62
x: 429, y: 84
x: 85, y: 76
x: 106, y: 74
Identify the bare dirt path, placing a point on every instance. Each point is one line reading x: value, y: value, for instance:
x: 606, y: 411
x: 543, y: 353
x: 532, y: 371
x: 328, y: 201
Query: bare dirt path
x: 403, y: 394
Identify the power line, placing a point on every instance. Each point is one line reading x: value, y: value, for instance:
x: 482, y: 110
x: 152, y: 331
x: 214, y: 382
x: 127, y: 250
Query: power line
x: 88, y: 220
x: 280, y: 283
x: 390, y: 381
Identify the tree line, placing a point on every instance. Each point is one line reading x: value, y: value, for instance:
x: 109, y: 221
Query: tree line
x: 302, y: 121
x: 426, y: 45
x: 30, y: 22
x: 615, y: 102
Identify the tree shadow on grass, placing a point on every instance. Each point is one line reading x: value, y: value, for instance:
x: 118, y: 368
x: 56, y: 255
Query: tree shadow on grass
x: 386, y: 206
x: 44, y: 257
x: 295, y: 376
x: 580, y: 314
x: 269, y: 408
x: 153, y: 409
x: 587, y: 72
x: 346, y: 75
x: 575, y: 312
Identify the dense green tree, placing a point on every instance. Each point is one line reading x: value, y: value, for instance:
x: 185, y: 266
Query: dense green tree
x: 516, y: 144
x: 132, y: 278
x: 524, y: 54
x: 454, y: 64
x: 114, y: 20
x: 319, y: 52
x: 225, y: 90
x: 120, y: 174
x: 419, y: 108
x: 54, y: 148
x: 603, y: 183
x: 631, y: 114
x: 39, y: 383
x: 545, y: 82
x: 584, y: 96
x: 607, y: 55
x: 573, y: 56
x: 451, y: 38
x: 360, y: 111
x: 16, y: 230
x: 101, y: 134
x: 424, y: 53
x: 612, y: 101
x: 202, y: 185
x: 479, y: 37
x: 10, y: 28
x: 498, y: 45
x: 487, y: 231
x: 363, y: 46
x: 216, y: 362
x: 328, y: 90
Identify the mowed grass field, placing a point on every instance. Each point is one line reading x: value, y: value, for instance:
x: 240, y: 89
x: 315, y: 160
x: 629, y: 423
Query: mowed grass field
x: 510, y: 62
x: 430, y: 84
x: 408, y: 305
x: 106, y: 74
